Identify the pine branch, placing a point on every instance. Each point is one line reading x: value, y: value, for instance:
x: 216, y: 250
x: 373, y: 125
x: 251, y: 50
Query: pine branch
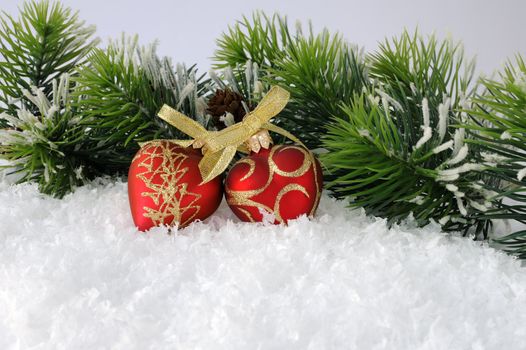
x: 261, y: 39
x: 320, y: 70
x: 45, y: 41
x: 44, y: 147
x: 395, y: 152
x: 120, y: 91
x: 499, y: 127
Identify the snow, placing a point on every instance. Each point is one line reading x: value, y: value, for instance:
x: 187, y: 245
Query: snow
x: 76, y: 274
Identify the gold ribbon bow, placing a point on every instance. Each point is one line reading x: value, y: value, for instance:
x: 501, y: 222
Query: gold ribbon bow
x: 219, y: 147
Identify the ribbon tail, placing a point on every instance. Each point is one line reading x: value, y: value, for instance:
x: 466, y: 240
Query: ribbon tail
x: 182, y: 122
x: 213, y: 164
x: 273, y: 103
x: 283, y: 132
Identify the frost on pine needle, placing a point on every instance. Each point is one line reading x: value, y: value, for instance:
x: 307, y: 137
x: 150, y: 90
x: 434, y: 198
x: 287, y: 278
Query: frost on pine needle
x: 249, y: 73
x: 418, y: 200
x: 505, y: 136
x: 462, y: 169
x: 185, y: 92
x: 443, y: 147
x: 521, y: 174
x: 458, y: 139
x: 460, y: 156
x: 452, y: 188
x: 215, y: 78
x: 425, y: 113
x: 375, y: 100
x: 461, y: 206
x: 426, y: 136
x: 493, y: 159
x: 386, y: 100
x: 119, y: 93
x: 443, y: 115
x: 258, y: 88
x: 480, y: 207
x: 427, y: 131
x: 231, y: 79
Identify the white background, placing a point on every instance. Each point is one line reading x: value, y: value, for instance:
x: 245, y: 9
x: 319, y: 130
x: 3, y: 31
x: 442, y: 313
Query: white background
x: 491, y: 30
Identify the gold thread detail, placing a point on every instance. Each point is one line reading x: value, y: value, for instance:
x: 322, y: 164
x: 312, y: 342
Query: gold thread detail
x: 252, y: 166
x: 169, y: 193
x: 284, y: 191
x: 245, y: 198
x: 304, y: 167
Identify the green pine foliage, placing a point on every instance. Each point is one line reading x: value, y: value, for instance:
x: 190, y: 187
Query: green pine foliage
x: 121, y: 89
x: 320, y: 70
x: 45, y: 146
x: 45, y: 41
x: 261, y: 39
x: 61, y: 135
x: 499, y: 127
x: 396, y: 152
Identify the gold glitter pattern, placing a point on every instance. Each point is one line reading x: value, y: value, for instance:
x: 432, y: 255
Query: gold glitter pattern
x: 251, y: 170
x: 163, y: 183
x: 245, y: 198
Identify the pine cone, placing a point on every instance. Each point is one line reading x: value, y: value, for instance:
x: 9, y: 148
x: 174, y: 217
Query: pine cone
x: 225, y: 101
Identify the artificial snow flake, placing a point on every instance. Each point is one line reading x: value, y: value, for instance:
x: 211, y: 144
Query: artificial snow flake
x: 238, y: 277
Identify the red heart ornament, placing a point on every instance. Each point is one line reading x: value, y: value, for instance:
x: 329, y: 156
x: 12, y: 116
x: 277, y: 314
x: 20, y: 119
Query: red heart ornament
x: 284, y: 180
x: 164, y: 186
